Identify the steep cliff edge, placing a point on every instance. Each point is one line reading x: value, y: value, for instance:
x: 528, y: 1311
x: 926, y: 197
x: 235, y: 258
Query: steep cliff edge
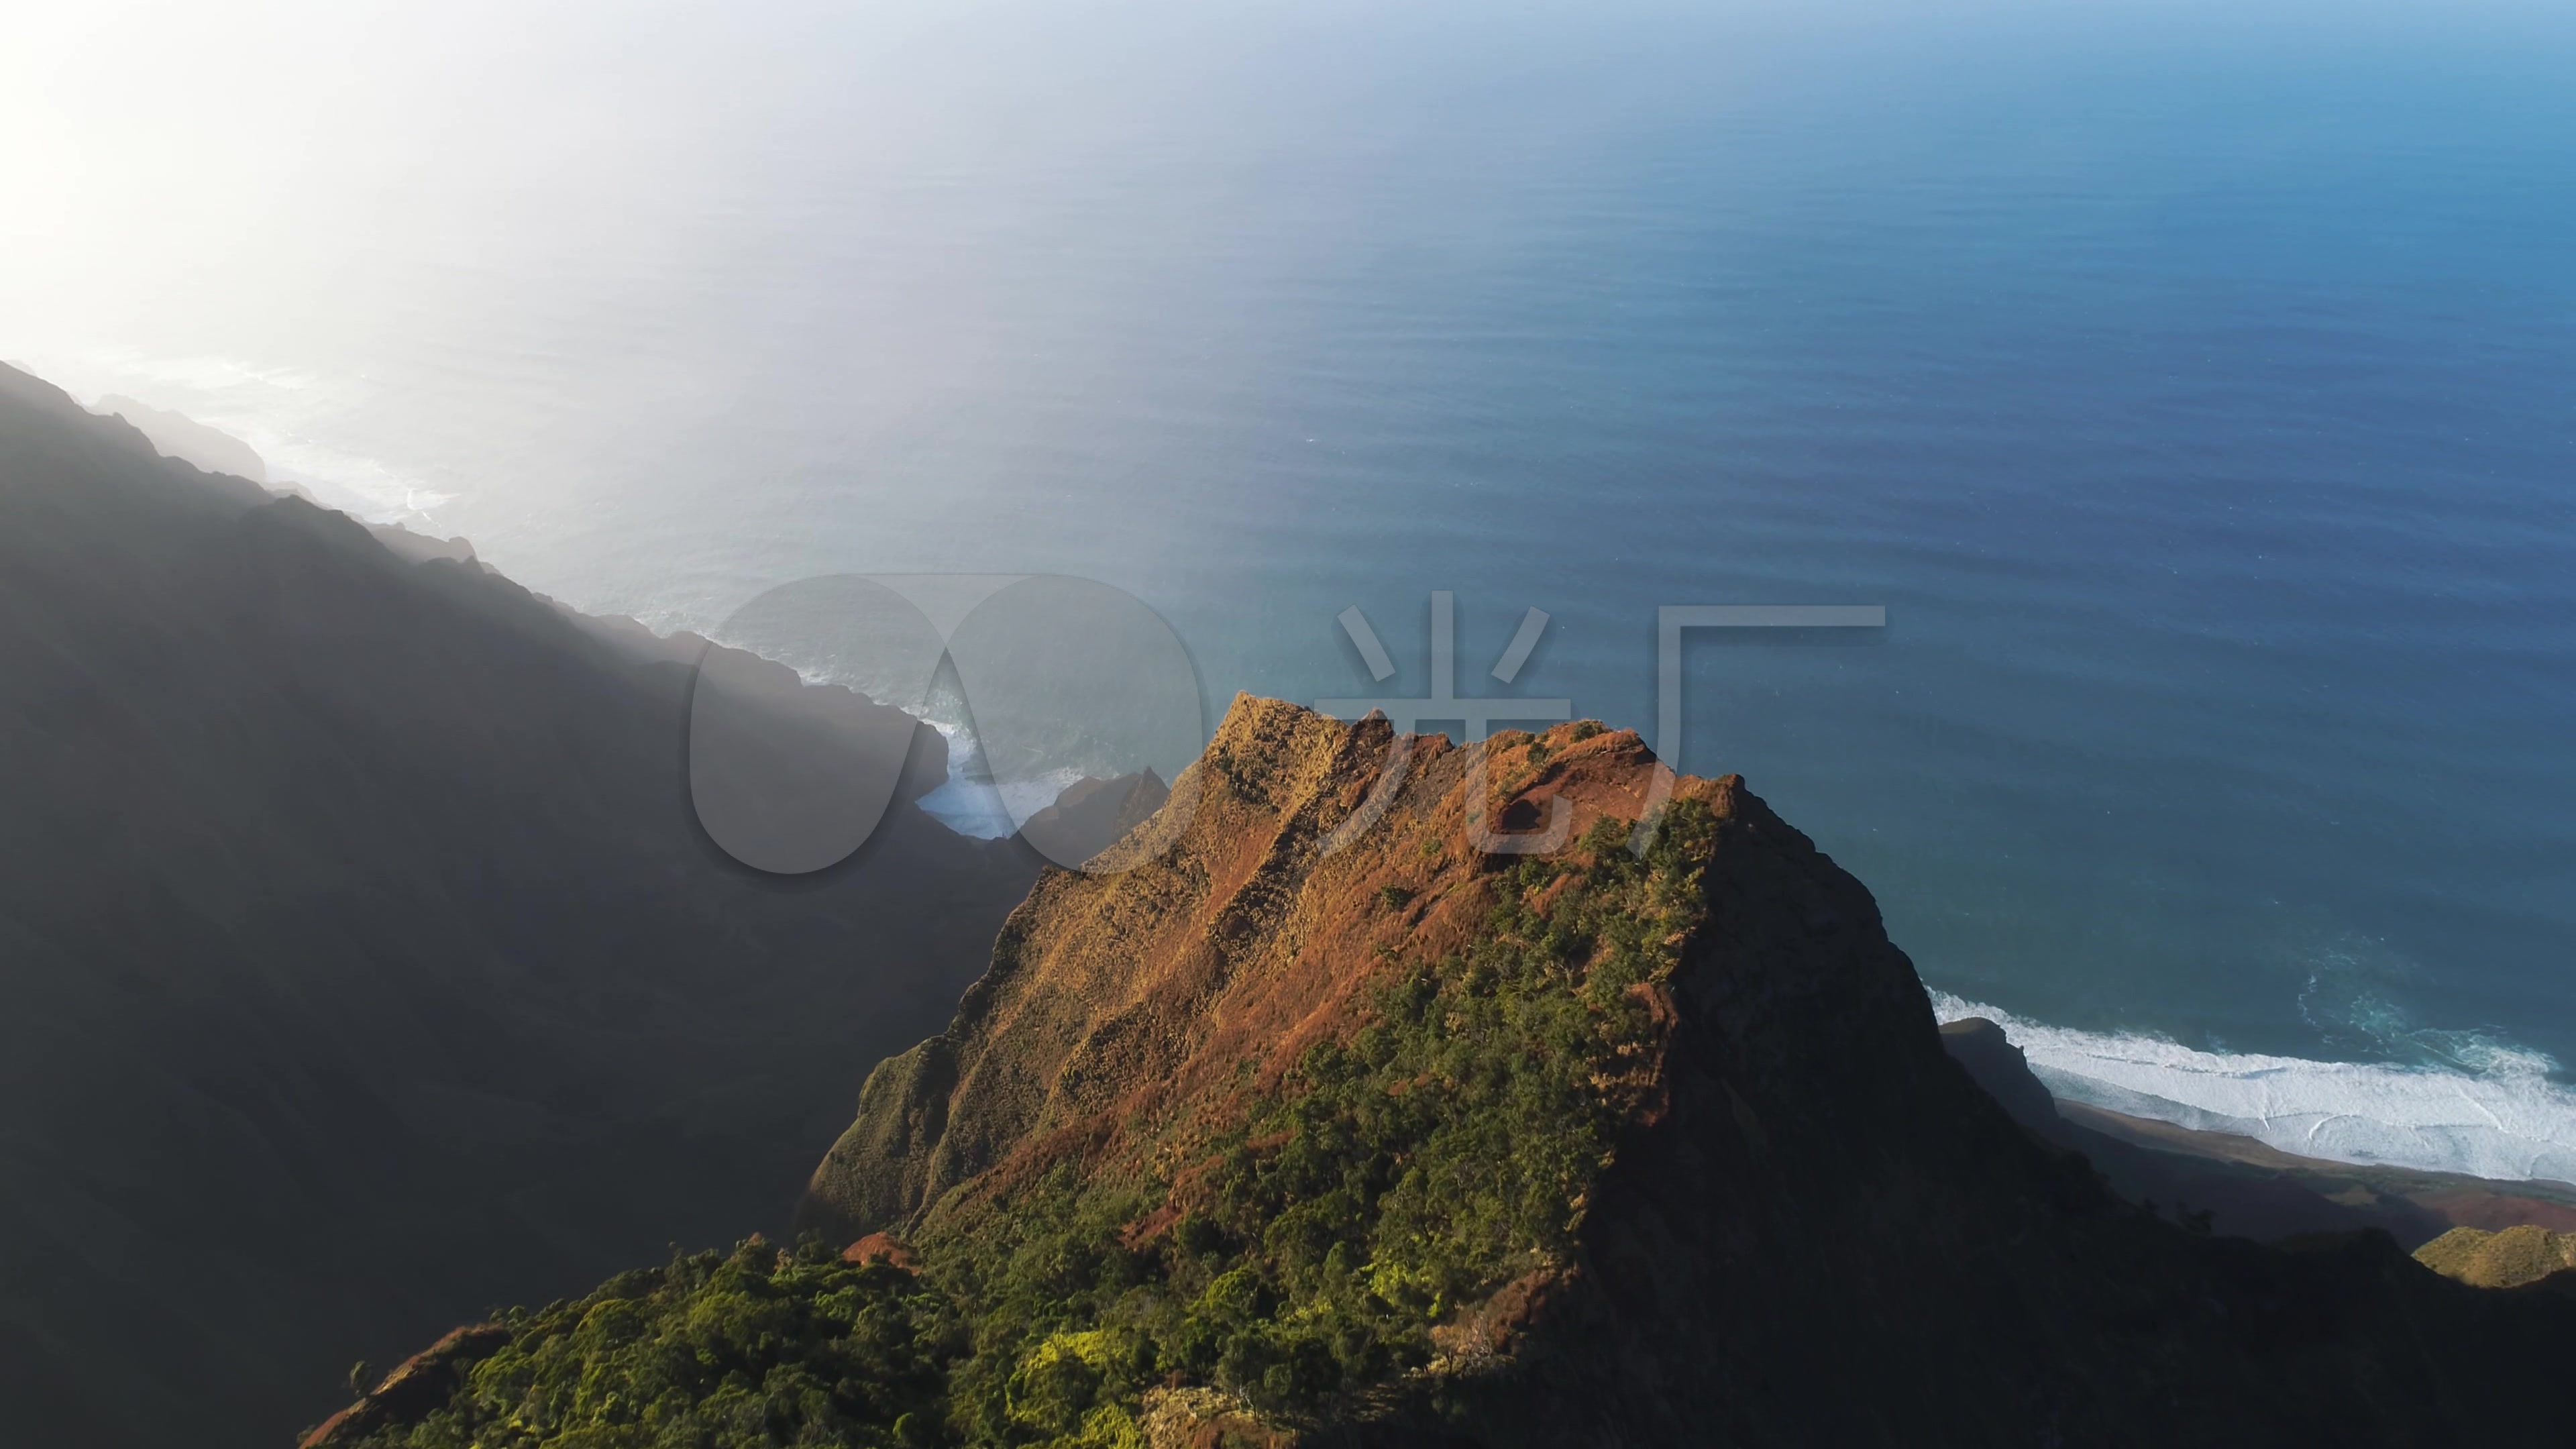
x: 1127, y: 1012
x: 362, y: 963
x: 1320, y: 1125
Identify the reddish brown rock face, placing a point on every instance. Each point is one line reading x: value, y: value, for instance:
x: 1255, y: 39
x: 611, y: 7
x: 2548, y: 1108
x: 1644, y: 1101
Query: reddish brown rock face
x: 419, y: 1384
x: 1124, y: 1008
x: 883, y: 1248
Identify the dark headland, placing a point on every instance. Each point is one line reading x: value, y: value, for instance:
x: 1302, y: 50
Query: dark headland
x: 361, y: 966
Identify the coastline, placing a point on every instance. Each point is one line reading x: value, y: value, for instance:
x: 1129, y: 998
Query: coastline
x: 2246, y: 1187
x: 2455, y: 1198
x: 2504, y: 1119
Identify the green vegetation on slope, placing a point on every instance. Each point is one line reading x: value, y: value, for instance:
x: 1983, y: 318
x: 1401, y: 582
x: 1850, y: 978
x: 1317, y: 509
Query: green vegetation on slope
x: 756, y: 1346
x: 1444, y: 1150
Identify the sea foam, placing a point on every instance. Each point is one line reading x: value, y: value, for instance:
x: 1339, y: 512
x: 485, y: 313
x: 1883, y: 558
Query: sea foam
x: 2507, y: 1119
x: 971, y: 802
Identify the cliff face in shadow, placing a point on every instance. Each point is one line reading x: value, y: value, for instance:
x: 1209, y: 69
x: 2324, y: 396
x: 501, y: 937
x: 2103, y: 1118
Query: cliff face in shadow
x: 1303, y: 1130
x: 361, y: 962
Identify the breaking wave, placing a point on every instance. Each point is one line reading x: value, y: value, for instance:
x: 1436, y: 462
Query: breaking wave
x: 2490, y: 1110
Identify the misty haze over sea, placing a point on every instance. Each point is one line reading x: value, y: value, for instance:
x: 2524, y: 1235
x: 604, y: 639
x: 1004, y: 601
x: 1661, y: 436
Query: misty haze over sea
x: 2192, y: 383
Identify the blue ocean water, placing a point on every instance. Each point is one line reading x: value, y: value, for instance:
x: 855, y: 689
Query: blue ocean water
x: 2194, y: 385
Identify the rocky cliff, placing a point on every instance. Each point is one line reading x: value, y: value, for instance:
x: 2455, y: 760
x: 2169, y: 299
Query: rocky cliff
x: 1127, y: 1012
x: 1317, y: 1124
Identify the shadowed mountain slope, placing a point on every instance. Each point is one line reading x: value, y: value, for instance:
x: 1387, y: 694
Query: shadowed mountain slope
x: 361, y: 964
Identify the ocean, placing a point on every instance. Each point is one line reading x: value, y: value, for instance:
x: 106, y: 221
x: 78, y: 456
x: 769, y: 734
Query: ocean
x: 2193, y: 385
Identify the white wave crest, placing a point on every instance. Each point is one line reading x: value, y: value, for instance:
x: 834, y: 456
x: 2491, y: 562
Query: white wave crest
x: 972, y: 802
x: 2507, y: 1119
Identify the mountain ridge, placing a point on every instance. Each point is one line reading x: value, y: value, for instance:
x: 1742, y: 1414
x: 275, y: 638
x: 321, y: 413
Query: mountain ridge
x: 1296, y: 774
x: 1292, y: 1134
x: 362, y: 963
